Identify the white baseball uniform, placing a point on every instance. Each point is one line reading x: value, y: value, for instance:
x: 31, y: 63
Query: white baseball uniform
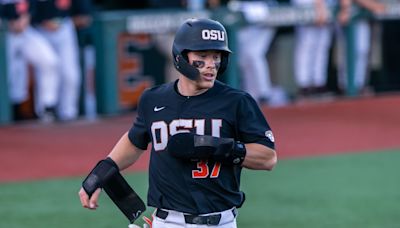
x: 30, y: 47
x: 311, y: 54
x: 254, y: 41
x: 64, y: 42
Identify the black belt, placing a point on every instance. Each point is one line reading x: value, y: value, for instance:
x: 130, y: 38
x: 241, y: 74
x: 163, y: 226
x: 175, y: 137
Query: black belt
x: 212, y: 220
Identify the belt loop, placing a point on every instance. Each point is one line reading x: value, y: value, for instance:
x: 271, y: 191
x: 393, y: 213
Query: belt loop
x: 234, y: 212
x: 161, y: 213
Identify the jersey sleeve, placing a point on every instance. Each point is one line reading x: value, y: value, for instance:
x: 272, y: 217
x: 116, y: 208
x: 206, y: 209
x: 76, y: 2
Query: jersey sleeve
x: 138, y: 134
x: 252, y: 125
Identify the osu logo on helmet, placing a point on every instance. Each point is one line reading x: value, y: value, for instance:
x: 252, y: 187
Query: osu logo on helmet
x: 212, y: 34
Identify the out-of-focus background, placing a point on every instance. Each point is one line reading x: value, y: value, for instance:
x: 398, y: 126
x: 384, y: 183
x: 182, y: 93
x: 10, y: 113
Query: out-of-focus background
x: 325, y: 73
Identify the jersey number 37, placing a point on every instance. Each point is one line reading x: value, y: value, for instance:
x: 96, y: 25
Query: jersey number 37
x: 161, y: 131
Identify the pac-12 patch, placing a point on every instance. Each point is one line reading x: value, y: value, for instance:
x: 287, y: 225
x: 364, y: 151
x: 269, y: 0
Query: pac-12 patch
x: 270, y: 135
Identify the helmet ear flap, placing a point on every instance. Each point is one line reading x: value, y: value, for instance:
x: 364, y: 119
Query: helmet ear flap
x: 224, y: 62
x: 182, y: 65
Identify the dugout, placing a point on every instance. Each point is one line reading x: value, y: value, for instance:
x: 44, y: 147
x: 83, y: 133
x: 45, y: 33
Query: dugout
x: 128, y: 58
x: 116, y: 29
x: 112, y: 84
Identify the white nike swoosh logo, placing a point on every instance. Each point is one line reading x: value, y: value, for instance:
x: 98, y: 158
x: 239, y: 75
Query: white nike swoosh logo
x: 157, y: 109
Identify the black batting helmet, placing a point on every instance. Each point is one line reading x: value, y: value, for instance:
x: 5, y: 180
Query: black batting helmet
x: 199, y: 35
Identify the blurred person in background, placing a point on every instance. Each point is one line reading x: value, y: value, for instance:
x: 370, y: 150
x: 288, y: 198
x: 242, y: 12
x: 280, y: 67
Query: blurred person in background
x: 215, y: 4
x: 27, y: 46
x: 311, y: 52
x: 120, y: 4
x: 163, y: 41
x: 161, y: 4
x: 254, y: 40
x: 81, y: 13
x: 390, y: 78
x: 82, y: 19
x: 53, y: 19
x: 362, y: 42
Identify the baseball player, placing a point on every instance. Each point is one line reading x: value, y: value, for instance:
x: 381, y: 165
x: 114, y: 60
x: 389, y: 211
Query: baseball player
x: 53, y: 20
x: 362, y: 41
x: 254, y: 40
x: 311, y: 52
x: 202, y: 132
x: 24, y: 44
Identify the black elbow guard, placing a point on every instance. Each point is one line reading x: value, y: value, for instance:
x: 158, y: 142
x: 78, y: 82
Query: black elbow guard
x: 100, y: 174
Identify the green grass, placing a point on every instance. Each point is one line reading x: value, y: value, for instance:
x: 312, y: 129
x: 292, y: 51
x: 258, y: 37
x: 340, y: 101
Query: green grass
x: 342, y: 191
x: 353, y: 190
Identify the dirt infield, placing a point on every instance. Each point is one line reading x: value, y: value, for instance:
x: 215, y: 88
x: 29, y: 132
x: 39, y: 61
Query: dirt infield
x: 32, y: 151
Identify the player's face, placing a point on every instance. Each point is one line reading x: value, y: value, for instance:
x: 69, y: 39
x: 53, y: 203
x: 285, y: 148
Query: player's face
x: 208, y: 63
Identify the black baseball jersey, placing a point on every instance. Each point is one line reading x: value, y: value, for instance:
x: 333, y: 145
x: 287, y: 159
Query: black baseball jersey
x: 196, y: 187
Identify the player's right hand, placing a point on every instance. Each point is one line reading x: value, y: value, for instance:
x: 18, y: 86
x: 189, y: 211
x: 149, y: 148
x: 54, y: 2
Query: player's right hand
x: 90, y: 203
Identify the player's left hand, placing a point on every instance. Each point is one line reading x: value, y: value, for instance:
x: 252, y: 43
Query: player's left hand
x: 92, y: 202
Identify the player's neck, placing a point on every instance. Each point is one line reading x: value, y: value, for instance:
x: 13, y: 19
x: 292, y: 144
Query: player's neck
x: 187, y: 87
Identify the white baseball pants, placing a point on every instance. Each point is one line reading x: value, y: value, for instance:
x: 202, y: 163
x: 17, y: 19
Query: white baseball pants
x: 30, y: 47
x: 176, y: 219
